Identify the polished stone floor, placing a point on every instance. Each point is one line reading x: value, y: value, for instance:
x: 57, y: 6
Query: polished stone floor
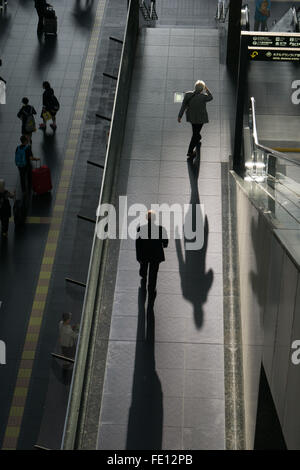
x: 178, y: 375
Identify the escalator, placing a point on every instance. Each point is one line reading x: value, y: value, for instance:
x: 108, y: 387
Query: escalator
x: 289, y: 22
x: 276, y: 173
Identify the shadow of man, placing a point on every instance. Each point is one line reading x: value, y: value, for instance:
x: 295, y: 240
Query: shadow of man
x: 195, y: 281
x: 46, y: 52
x: 83, y: 13
x: 146, y: 411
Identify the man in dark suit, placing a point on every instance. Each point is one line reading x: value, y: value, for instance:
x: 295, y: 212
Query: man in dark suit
x: 150, y: 243
x: 194, y: 103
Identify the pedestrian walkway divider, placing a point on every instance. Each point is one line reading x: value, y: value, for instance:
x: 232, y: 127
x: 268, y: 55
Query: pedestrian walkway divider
x: 95, y: 164
x: 88, y: 219
x: 73, y: 281
x: 62, y: 358
x: 81, y: 374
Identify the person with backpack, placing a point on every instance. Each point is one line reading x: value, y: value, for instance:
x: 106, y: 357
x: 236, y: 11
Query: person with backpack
x: 26, y: 114
x: 23, y: 158
x: 262, y: 13
x: 50, y: 106
x: 5, y: 209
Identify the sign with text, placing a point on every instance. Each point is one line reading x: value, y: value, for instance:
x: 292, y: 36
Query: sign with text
x: 275, y: 47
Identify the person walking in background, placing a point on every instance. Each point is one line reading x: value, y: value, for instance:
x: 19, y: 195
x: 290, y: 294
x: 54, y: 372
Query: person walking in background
x: 194, y: 103
x: 262, y: 13
x: 150, y: 243
x: 40, y: 6
x: 23, y: 158
x: 67, y: 335
x: 50, y: 106
x: 26, y: 114
x: 5, y: 209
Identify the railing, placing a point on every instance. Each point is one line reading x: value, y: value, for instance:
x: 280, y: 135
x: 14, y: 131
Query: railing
x: 277, y: 173
x: 245, y: 23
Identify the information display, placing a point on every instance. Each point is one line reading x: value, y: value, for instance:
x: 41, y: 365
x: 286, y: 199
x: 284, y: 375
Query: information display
x: 276, y: 47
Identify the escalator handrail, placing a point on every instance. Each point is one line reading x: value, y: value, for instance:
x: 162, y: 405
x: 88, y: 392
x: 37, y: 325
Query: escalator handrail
x: 274, y: 153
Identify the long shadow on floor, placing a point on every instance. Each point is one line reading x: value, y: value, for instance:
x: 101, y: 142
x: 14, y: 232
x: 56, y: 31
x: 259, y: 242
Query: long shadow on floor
x: 195, y: 281
x: 45, y: 54
x: 4, y: 23
x: 146, y: 410
x: 83, y: 13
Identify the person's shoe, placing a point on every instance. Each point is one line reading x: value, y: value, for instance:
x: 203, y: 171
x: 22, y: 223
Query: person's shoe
x: 53, y: 126
x: 42, y: 126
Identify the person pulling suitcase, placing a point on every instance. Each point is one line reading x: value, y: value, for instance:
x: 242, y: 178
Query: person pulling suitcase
x: 23, y: 158
x: 41, y: 7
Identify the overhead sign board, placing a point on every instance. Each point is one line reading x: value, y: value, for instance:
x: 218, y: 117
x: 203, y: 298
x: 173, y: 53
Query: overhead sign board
x: 273, y: 46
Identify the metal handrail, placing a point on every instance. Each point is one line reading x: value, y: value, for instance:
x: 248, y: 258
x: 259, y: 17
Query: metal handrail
x: 245, y: 15
x: 272, y: 152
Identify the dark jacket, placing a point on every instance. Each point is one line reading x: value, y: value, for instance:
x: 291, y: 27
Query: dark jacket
x: 195, y: 106
x: 48, y: 98
x: 24, y: 112
x: 5, y: 209
x: 40, y: 5
x: 150, y: 247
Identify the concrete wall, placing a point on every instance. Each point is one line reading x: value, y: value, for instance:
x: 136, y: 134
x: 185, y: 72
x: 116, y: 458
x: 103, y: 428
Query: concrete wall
x: 270, y: 311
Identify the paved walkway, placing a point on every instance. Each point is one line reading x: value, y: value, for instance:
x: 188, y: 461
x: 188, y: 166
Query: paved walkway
x: 168, y: 392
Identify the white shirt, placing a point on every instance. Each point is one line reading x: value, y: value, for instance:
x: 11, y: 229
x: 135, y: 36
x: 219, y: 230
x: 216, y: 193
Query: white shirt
x: 67, y: 337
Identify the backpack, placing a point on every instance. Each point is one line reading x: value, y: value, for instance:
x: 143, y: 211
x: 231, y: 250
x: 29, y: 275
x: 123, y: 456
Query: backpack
x: 29, y: 122
x: 20, y: 157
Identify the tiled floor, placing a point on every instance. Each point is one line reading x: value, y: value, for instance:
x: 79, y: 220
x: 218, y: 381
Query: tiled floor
x: 178, y: 376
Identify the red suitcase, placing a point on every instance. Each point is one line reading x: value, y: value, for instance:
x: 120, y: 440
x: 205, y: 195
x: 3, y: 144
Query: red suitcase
x: 41, y: 180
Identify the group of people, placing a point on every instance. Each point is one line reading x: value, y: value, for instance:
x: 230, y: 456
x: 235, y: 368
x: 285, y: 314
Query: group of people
x: 23, y: 153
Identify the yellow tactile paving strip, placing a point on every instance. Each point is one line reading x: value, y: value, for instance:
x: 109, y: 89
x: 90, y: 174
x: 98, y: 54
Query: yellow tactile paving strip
x: 15, y: 418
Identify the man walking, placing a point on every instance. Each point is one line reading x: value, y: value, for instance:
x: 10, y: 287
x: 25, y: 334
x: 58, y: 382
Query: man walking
x: 150, y: 243
x: 194, y: 103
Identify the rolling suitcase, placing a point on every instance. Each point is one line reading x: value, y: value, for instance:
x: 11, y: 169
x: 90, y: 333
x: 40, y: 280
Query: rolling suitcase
x: 50, y: 21
x: 41, y: 180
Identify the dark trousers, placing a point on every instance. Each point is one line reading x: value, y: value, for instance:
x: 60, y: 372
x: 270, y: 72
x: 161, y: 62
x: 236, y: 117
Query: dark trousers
x: 153, y: 270
x: 196, y: 137
x: 25, y: 176
x: 4, y: 223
